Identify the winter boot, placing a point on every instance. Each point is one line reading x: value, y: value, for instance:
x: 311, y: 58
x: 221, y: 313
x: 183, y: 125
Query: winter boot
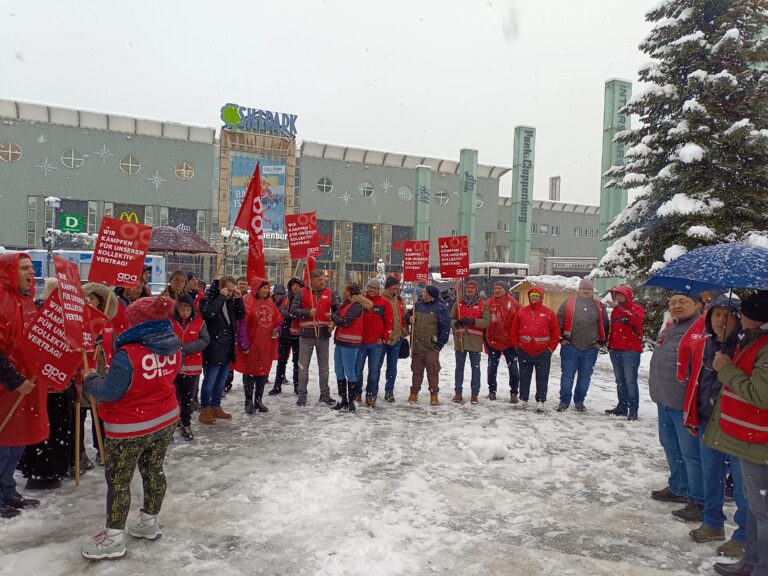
x: 370, y: 400
x: 739, y: 568
x: 513, y: 398
x: 562, y: 407
x: 342, y: 403
x: 248, y: 388
x: 433, y: 400
x: 327, y: 400
x: 492, y: 395
x: 148, y: 527
x: 109, y: 543
x: 731, y: 549
x: 277, y: 388
x: 19, y: 502
x: 473, y: 399
x: 579, y: 407
x: 351, y: 391
x: 457, y: 398
x: 616, y: 411
x: 186, y: 433
x: 413, y: 398
x: 260, y: 393
x: 632, y: 416
x: 705, y: 533
x: 219, y: 414
x: 666, y: 495
x: 389, y: 396
x: 8, y: 512
x: 206, y: 416
x: 689, y: 513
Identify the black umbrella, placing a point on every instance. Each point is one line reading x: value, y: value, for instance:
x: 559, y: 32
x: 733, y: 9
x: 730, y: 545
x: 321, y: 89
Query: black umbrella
x: 168, y: 239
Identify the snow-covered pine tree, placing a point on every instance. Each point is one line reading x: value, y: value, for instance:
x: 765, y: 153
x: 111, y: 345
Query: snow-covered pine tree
x: 700, y: 156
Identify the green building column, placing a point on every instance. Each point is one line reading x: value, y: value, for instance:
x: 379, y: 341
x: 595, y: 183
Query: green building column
x: 422, y: 199
x: 522, y: 195
x: 468, y: 197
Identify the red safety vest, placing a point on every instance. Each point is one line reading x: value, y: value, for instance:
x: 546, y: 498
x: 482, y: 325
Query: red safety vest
x: 150, y: 402
x: 352, y: 334
x: 739, y: 418
x: 192, y: 364
x: 570, y: 309
x: 321, y: 303
x: 475, y: 311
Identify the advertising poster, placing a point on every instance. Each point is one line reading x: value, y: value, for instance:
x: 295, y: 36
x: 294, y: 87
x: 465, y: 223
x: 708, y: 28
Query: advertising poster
x: 272, y: 186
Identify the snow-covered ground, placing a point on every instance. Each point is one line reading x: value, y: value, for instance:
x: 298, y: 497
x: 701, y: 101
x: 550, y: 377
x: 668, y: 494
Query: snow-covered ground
x: 464, y: 490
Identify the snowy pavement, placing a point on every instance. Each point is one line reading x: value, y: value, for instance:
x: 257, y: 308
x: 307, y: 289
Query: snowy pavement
x: 464, y: 490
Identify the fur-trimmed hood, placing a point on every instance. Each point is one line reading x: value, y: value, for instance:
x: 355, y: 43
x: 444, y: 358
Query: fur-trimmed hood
x: 102, y: 291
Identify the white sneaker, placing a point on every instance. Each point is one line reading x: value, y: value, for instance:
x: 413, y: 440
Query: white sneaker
x: 109, y: 543
x: 539, y: 406
x: 147, y: 527
x: 524, y: 404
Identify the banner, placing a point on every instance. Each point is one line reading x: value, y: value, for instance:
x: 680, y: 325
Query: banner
x: 272, y: 185
x: 118, y: 257
x: 44, y: 350
x: 303, y: 237
x: 454, y: 256
x: 415, y: 260
x: 76, y: 333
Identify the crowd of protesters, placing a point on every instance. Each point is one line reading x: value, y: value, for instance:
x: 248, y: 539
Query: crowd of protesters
x: 708, y: 376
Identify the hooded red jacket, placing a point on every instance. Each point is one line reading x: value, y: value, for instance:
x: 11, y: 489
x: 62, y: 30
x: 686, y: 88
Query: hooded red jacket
x: 29, y: 423
x: 535, y: 328
x: 262, y: 317
x: 377, y: 322
x: 502, y: 313
x: 626, y: 323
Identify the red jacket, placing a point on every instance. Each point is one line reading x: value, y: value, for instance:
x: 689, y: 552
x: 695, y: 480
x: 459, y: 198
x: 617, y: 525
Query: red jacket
x: 29, y: 423
x: 192, y: 364
x: 535, y: 328
x: 626, y: 323
x: 695, y: 354
x: 351, y: 335
x: 263, y: 318
x: 502, y: 311
x: 685, y: 350
x: 377, y: 322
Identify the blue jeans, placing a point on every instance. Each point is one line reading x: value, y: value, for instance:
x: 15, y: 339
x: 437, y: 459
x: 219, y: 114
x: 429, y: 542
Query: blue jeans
x: 373, y: 353
x: 392, y: 353
x: 713, y: 481
x: 625, y: 366
x: 755, y: 478
x: 344, y: 363
x: 9, y: 458
x: 683, y: 455
x: 510, y: 355
x: 214, y: 380
x: 474, y: 363
x: 572, y: 361
x: 541, y: 362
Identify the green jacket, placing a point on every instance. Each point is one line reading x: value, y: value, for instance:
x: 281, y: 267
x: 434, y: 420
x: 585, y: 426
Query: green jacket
x: 753, y: 389
x: 463, y: 341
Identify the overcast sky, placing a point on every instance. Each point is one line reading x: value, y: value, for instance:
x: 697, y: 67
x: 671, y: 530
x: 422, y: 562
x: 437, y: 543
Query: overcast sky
x: 417, y: 76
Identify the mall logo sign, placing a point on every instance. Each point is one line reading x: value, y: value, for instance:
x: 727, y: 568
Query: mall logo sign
x: 236, y: 117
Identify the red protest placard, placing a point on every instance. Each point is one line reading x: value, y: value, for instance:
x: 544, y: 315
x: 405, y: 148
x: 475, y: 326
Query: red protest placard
x: 44, y: 350
x: 120, y: 251
x: 73, y: 305
x: 454, y: 256
x: 415, y: 260
x: 303, y: 237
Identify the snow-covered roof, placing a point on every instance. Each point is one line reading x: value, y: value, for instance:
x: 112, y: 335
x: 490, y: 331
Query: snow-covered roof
x: 552, y: 206
x: 393, y: 159
x: 552, y: 283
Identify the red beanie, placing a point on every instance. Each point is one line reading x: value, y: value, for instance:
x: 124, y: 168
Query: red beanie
x: 145, y: 309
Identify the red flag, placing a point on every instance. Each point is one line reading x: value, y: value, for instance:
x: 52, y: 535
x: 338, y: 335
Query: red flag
x: 308, y: 269
x: 251, y: 219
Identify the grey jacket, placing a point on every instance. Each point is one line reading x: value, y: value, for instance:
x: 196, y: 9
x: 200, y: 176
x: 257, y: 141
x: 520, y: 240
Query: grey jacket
x: 662, y: 378
x: 585, y: 331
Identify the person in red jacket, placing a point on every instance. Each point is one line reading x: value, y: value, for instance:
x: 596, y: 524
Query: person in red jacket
x: 29, y: 423
x: 625, y: 343
x: 258, y: 344
x: 535, y: 335
x: 348, y: 323
x: 377, y: 328
x: 498, y: 339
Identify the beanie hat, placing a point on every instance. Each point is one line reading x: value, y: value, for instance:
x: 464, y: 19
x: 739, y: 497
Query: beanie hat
x: 471, y: 283
x: 146, y: 309
x: 756, y: 307
x: 375, y: 282
x: 190, y: 275
x: 391, y: 281
x: 433, y: 292
x: 185, y: 299
x: 279, y: 290
x: 500, y: 284
x: 587, y: 284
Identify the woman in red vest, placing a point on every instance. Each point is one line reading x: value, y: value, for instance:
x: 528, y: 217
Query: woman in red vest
x: 348, y: 322
x: 257, y: 343
x: 140, y: 411
x: 189, y: 326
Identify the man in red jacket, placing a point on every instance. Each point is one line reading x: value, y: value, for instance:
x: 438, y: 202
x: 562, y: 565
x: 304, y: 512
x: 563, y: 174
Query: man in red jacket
x: 535, y: 335
x: 502, y: 308
x: 28, y: 424
x: 377, y: 328
x: 625, y: 343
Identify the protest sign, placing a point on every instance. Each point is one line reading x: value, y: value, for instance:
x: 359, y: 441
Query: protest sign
x: 303, y: 237
x: 415, y: 260
x: 118, y: 258
x: 454, y: 256
x: 76, y: 333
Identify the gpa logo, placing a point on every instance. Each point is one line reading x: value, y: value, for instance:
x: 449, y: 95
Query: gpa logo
x: 124, y: 277
x: 50, y: 371
x: 153, y: 365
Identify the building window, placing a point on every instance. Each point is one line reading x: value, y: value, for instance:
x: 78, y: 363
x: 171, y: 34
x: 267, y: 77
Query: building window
x: 555, y: 231
x: 588, y: 233
x: 92, y: 215
x: 577, y: 232
x: 534, y: 228
x: 10, y: 152
x: 130, y: 165
x: 163, y: 215
x: 366, y: 189
x: 201, y: 223
x: 72, y: 159
x: 31, y: 220
x: 376, y: 240
x: 498, y: 225
x: 184, y: 170
x: 442, y: 197
x: 506, y: 226
x: 324, y: 185
x: 480, y: 201
x: 597, y: 233
x: 48, y: 217
x: 109, y: 209
x: 544, y: 229
x: 405, y: 193
x: 149, y: 215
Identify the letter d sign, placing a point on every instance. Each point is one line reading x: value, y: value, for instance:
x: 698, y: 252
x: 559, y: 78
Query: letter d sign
x: 70, y: 222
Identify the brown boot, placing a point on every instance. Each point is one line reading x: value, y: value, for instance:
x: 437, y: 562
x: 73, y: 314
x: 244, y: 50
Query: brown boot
x: 457, y: 398
x: 219, y: 414
x: 370, y: 400
x: 433, y: 401
x: 413, y: 398
x: 359, y: 398
x: 206, y: 416
x: 473, y: 399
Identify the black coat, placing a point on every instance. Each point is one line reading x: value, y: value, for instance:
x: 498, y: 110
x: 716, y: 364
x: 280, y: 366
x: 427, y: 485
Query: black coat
x: 221, y: 350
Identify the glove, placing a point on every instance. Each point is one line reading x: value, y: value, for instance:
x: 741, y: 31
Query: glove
x: 468, y: 321
x: 458, y: 323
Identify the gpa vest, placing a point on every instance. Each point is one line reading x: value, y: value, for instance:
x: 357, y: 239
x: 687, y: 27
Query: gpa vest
x: 352, y: 334
x: 150, y: 402
x: 321, y: 303
x: 192, y: 363
x: 739, y: 418
x: 475, y: 311
x: 570, y: 309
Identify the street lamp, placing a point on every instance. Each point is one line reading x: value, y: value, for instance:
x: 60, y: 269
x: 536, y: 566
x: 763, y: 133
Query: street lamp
x: 54, y: 204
